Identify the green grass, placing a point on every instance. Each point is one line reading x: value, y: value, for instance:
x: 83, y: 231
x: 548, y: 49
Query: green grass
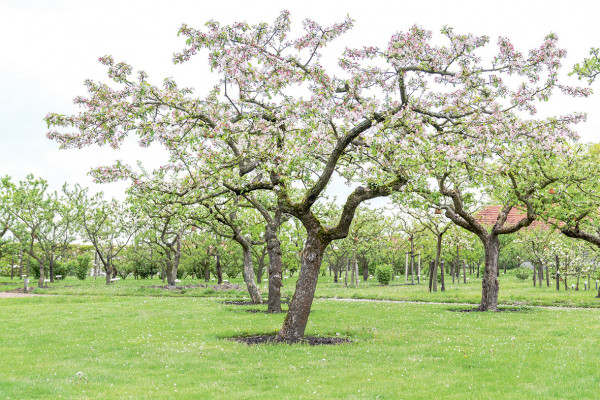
x: 166, y: 347
x: 512, y: 290
x: 131, y: 341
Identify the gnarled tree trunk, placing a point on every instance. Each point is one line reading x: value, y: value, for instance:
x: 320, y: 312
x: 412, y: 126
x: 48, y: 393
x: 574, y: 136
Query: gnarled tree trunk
x: 297, y: 317
x: 248, y: 273
x: 489, y: 282
x: 275, y: 268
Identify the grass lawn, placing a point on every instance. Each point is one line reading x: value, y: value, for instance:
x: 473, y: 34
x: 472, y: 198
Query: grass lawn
x: 139, y: 343
x: 174, y: 347
x: 512, y: 290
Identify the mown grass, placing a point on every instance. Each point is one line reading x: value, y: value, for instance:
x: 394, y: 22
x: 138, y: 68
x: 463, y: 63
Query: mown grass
x: 133, y: 347
x: 512, y: 290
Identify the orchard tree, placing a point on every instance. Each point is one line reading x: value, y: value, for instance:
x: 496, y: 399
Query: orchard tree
x: 278, y: 120
x: 519, y: 177
x: 432, y: 220
x: 107, y: 225
x: 45, y: 223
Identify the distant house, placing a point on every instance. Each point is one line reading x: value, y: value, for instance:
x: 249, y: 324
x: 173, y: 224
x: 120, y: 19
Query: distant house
x: 489, y: 215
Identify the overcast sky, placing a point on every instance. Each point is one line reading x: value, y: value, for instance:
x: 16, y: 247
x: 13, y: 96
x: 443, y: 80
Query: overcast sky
x: 49, y: 47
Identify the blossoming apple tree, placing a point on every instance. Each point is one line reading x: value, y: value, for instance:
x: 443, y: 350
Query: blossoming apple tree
x: 280, y: 121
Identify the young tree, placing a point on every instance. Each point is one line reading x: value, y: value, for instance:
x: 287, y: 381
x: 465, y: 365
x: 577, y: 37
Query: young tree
x: 44, y: 222
x: 108, y: 226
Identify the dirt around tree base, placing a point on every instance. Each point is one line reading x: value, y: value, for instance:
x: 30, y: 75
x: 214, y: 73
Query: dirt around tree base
x: 246, y: 303
x: 478, y: 310
x: 255, y: 311
x: 271, y: 339
x: 222, y: 287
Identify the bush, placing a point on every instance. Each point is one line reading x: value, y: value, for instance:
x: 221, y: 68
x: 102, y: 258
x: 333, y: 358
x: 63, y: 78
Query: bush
x: 65, y: 269
x: 383, y: 273
x: 522, y: 273
x: 82, y: 269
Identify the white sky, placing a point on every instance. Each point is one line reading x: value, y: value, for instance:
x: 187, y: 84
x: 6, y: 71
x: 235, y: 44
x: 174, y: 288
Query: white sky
x: 49, y: 47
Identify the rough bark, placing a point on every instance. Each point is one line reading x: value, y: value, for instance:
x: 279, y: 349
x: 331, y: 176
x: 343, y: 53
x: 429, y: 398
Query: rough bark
x: 248, y: 273
x: 295, y: 322
x: 275, y: 268
x: 489, y: 282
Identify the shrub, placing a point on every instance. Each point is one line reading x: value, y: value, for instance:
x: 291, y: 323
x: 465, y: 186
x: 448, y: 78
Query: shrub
x: 83, y: 267
x: 522, y: 273
x: 383, y: 273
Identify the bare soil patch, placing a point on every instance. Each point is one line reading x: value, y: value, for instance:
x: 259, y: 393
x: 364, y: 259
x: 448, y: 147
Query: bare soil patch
x: 222, y: 287
x: 16, y: 293
x: 247, y: 303
x: 503, y: 309
x: 310, y: 340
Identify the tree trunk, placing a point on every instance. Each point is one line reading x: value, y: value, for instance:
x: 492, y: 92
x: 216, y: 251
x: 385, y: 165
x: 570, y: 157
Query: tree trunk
x: 412, y: 260
x: 419, y: 269
x: 335, y: 275
x: 21, y: 263
x: 295, y: 322
x: 464, y: 272
x: 207, y: 271
x: 452, y: 270
x: 261, y: 266
x: 41, y: 280
x: 406, y: 269
x: 489, y: 282
x: 346, y: 273
x: 442, y: 275
x: 248, y: 273
x: 540, y: 273
x: 171, y: 273
x: 356, y: 269
x: 218, y: 268
x: 431, y: 270
x: 366, y: 271
x: 437, y: 262
x: 51, y: 270
x: 108, y: 271
x: 547, y: 276
x: 275, y: 268
x: 534, y: 273
x: 557, y: 272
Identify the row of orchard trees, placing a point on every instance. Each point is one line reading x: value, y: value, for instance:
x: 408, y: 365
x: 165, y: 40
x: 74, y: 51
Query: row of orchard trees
x: 432, y: 123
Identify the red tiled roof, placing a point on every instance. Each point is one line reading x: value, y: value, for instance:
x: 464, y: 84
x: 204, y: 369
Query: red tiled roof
x: 489, y: 215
